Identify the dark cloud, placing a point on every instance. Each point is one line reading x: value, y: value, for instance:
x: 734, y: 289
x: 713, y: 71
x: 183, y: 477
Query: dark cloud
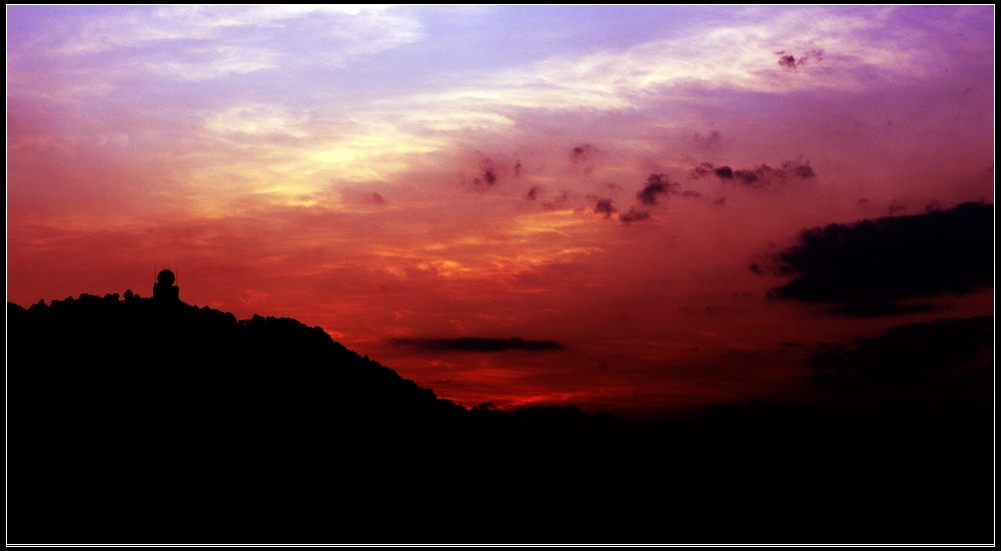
x: 760, y: 176
x: 603, y: 206
x: 788, y: 60
x: 517, y: 168
x: 376, y: 199
x: 752, y: 177
x: 918, y: 354
x: 488, y: 174
x: 895, y: 207
x: 708, y: 169
x: 634, y: 216
x: 691, y: 194
x: 800, y: 170
x: 582, y: 152
x: 656, y: 185
x: 533, y: 193
x: 875, y: 263
x: 764, y: 175
x: 476, y: 344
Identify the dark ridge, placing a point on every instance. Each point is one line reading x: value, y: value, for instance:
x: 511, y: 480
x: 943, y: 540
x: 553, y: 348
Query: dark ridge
x: 153, y: 421
x: 947, y: 354
x: 876, y: 309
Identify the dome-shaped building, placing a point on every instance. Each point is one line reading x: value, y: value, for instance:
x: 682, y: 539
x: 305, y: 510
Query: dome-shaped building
x: 164, y: 288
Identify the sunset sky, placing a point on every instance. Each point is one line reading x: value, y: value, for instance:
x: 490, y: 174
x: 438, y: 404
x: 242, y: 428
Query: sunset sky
x: 521, y: 205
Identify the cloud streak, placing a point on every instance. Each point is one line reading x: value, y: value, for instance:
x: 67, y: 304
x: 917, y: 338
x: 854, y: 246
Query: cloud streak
x: 759, y: 177
x: 478, y: 344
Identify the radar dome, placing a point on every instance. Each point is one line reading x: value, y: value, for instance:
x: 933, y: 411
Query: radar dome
x: 165, y: 277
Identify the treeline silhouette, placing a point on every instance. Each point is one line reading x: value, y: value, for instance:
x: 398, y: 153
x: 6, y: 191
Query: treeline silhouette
x: 134, y: 420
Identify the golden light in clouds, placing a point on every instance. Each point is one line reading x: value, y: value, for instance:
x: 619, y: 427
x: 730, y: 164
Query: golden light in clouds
x: 429, y: 173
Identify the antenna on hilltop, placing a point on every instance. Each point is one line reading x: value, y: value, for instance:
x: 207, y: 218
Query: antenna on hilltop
x: 164, y: 289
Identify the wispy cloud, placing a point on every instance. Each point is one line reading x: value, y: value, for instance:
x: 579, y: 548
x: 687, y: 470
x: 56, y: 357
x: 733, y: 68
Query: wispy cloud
x: 479, y: 344
x: 135, y: 27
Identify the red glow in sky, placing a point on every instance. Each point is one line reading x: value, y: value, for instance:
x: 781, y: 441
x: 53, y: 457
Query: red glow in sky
x: 410, y: 177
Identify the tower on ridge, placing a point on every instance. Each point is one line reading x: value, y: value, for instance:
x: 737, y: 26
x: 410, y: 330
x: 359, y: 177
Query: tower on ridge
x: 164, y: 289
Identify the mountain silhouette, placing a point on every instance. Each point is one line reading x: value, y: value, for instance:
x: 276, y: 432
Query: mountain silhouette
x: 148, y: 420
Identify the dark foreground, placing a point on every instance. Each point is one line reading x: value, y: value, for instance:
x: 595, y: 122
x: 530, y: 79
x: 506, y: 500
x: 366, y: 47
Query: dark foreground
x: 140, y: 421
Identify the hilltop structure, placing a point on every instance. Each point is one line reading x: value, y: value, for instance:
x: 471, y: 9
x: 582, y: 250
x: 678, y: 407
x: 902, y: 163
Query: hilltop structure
x: 164, y: 289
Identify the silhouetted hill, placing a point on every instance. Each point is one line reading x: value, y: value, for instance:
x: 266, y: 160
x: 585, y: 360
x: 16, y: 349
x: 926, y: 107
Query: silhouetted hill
x: 175, y: 362
x: 153, y: 421
x: 164, y: 404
